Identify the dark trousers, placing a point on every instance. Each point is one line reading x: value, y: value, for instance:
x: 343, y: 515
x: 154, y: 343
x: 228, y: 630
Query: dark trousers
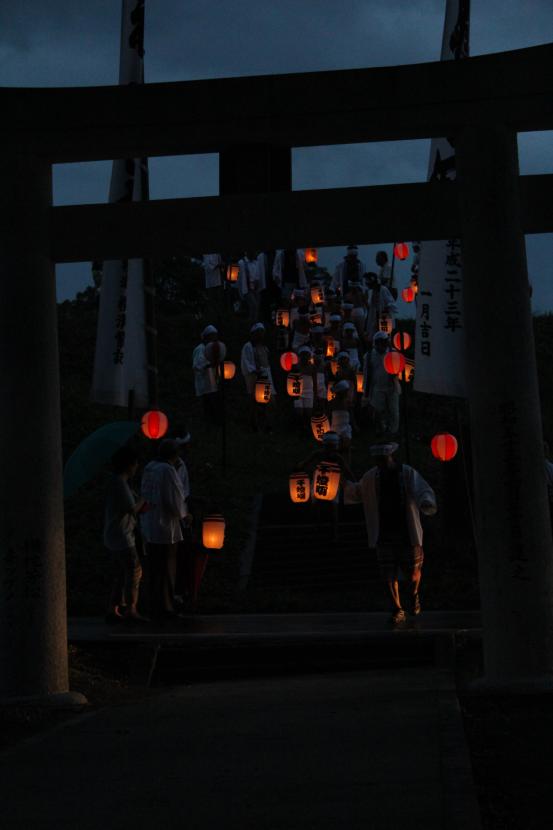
x: 163, y: 564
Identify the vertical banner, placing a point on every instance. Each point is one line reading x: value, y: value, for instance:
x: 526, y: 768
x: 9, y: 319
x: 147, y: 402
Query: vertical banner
x: 121, y: 358
x: 440, y: 332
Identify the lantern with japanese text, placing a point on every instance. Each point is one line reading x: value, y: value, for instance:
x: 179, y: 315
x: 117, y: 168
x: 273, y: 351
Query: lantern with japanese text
x: 294, y: 385
x: 317, y: 294
x: 282, y: 317
x: 319, y: 424
x: 402, y: 340
x: 229, y: 370
x: 444, y: 446
x: 401, y: 250
x: 213, y: 532
x: 385, y: 324
x: 311, y: 256
x: 330, y: 347
x: 233, y: 270
x: 263, y: 391
x: 394, y: 362
x: 300, y: 487
x: 154, y: 424
x: 360, y: 379
x: 408, y: 295
x: 326, y: 480
x: 287, y: 360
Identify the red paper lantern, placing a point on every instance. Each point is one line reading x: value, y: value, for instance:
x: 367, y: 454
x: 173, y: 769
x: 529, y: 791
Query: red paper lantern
x: 394, y: 363
x: 287, y: 360
x: 408, y: 295
x: 402, y: 340
x: 401, y: 250
x: 154, y: 424
x: 444, y: 446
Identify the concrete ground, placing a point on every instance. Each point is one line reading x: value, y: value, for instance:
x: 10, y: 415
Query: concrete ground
x: 378, y: 750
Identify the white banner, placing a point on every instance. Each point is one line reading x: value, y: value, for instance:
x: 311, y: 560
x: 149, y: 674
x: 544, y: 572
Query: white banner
x: 440, y: 331
x: 120, y: 362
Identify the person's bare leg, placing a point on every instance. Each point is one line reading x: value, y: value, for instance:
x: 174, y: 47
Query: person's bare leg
x: 393, y: 588
x: 415, y: 579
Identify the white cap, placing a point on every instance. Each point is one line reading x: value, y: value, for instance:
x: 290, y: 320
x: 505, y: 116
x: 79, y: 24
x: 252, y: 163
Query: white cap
x: 342, y: 355
x: 335, y: 318
x: 341, y: 386
x: 384, y: 449
x: 209, y: 330
x: 380, y: 335
x: 317, y: 329
x: 352, y: 248
x: 331, y: 437
x: 257, y: 327
x: 184, y: 440
x: 349, y: 327
x: 347, y: 306
x: 304, y: 349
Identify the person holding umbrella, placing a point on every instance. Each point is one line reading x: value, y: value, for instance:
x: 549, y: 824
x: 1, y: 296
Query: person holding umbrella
x: 393, y: 496
x: 122, y: 508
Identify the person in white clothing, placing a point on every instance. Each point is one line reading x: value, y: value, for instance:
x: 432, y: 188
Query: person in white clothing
x: 303, y: 406
x: 254, y: 363
x: 289, y: 271
x: 213, y: 269
x: 393, y: 496
x: 381, y: 388
x: 250, y: 280
x: 205, y: 376
x: 161, y: 526
x: 382, y: 307
x: 349, y: 270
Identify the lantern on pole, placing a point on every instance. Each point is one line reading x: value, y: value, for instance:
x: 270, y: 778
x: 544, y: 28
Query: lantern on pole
x: 263, y: 391
x: 287, y: 360
x: 402, y: 340
x: 294, y: 385
x: 213, y: 532
x: 319, y: 424
x: 409, y: 370
x: 401, y: 250
x: 360, y: 379
x: 311, y: 256
x: 229, y: 370
x: 282, y: 317
x: 408, y: 295
x: 300, y: 488
x: 326, y: 480
x: 154, y: 424
x: 233, y: 270
x: 330, y: 347
x: 394, y: 362
x: 317, y: 294
x: 444, y: 446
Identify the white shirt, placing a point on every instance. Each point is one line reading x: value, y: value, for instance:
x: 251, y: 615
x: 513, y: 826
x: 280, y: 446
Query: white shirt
x: 205, y: 376
x: 250, y: 367
x: 212, y: 273
x: 340, y: 273
x: 279, y: 264
x: 162, y: 489
x: 417, y: 493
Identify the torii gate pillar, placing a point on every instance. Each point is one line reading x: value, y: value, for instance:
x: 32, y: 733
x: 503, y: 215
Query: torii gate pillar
x: 33, y: 638
x: 512, y: 515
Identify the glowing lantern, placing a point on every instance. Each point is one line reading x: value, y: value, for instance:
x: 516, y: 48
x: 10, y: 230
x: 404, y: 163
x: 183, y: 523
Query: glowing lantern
x: 283, y: 317
x: 334, y: 367
x: 414, y: 284
x: 444, y: 446
x: 233, y: 270
x: 394, y: 363
x: 154, y: 424
x: 229, y: 370
x: 408, y: 295
x: 213, y: 532
x: 402, y: 340
x: 311, y: 256
x: 385, y: 324
x: 319, y: 424
x: 401, y: 250
x: 263, y: 391
x: 326, y: 480
x: 294, y: 385
x: 287, y: 360
x: 330, y: 349
x: 316, y: 319
x: 317, y: 294
x: 300, y: 488
x: 360, y: 381
x: 330, y: 393
x: 409, y: 370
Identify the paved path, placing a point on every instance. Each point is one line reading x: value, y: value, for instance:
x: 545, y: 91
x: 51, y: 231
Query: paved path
x: 369, y: 750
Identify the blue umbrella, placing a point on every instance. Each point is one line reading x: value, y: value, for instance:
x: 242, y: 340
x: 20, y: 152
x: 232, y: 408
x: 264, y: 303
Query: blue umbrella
x: 92, y: 453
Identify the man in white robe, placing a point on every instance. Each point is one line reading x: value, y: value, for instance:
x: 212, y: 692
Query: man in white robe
x: 350, y: 269
x: 393, y: 496
x: 382, y: 308
x: 205, y: 375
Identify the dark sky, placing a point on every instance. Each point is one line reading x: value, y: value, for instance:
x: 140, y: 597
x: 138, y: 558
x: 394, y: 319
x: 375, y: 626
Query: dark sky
x: 72, y: 42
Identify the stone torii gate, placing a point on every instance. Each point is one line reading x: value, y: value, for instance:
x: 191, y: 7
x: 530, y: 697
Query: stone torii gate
x: 253, y: 123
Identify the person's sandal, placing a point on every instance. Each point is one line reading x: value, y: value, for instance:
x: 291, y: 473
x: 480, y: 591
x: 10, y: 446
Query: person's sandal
x: 398, y: 616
